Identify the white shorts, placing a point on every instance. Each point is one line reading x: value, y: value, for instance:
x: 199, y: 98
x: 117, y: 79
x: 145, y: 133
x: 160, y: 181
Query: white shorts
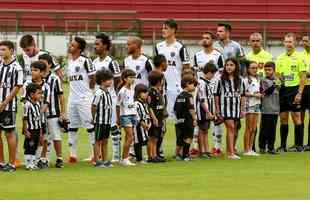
x: 171, y: 97
x: 54, y: 130
x: 79, y: 114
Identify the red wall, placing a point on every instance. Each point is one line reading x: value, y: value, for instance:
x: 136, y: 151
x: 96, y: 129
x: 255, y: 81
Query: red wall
x: 178, y: 9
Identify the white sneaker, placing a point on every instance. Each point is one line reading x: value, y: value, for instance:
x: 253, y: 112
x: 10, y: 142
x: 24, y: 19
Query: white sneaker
x: 253, y: 153
x: 234, y: 157
x: 249, y: 153
x: 115, y: 161
x: 127, y: 162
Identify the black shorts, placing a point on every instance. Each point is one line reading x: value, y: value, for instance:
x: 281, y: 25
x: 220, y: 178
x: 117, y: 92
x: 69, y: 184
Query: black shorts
x: 156, y: 132
x: 305, y: 102
x: 183, y: 132
x: 31, y: 144
x: 7, y: 120
x: 204, y: 124
x: 102, y: 131
x: 287, y: 97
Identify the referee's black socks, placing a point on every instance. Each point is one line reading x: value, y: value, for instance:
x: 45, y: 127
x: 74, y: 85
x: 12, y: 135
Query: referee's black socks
x: 299, y: 135
x: 284, y: 134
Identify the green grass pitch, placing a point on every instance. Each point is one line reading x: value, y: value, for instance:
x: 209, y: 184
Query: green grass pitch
x: 280, y: 177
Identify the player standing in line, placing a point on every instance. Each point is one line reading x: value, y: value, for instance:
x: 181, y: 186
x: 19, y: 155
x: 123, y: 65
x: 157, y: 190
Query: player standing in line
x: 291, y: 68
x: 11, y: 79
x: 81, y: 73
x: 105, y: 61
x: 209, y: 54
x: 305, y: 103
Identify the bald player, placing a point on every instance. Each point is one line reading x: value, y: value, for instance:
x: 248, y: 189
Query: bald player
x: 137, y: 61
x: 257, y: 53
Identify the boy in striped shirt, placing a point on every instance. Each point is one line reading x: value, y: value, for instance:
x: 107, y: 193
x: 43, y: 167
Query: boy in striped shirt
x: 102, y: 117
x: 32, y: 124
x: 55, y: 111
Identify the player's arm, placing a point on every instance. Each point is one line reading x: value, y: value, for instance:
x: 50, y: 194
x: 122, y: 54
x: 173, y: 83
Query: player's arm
x: 191, y: 109
x: 90, y: 69
x: 184, y: 58
x: 25, y: 123
x: 301, y: 87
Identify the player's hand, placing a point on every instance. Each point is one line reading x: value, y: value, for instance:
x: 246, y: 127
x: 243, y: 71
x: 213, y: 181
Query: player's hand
x: 194, y: 123
x: 155, y: 122
x: 62, y: 116
x: 258, y: 95
x: 2, y: 106
x: 298, y: 98
x: 242, y: 114
x: 27, y: 134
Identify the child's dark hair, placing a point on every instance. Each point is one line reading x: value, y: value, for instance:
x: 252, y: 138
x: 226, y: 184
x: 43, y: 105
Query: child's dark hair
x: 32, y: 88
x: 103, y: 75
x: 48, y: 58
x: 209, y: 67
x: 270, y: 64
x: 186, y: 80
x: 236, y: 73
x: 158, y: 60
x: 125, y: 74
x: 38, y: 65
x: 140, y: 88
x: 155, y: 77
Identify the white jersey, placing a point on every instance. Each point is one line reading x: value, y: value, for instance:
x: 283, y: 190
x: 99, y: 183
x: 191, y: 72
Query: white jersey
x: 111, y: 64
x: 232, y: 50
x: 201, y: 58
x: 26, y: 63
x: 126, y: 101
x: 176, y: 55
x: 78, y: 72
x: 142, y: 66
x: 252, y: 86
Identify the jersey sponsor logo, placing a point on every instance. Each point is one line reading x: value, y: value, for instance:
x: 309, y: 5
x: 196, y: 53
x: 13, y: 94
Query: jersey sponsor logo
x: 5, y: 85
x: 172, y: 63
x: 76, y: 78
x: 232, y: 94
x: 172, y: 54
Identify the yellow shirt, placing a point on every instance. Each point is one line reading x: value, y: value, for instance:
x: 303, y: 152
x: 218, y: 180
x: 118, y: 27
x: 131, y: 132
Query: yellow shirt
x: 290, y: 68
x: 261, y: 58
x: 306, y: 56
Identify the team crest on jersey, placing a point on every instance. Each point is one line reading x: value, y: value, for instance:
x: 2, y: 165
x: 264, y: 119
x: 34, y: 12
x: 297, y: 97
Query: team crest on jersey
x: 293, y: 67
x: 172, y: 54
x: 137, y: 67
x: 77, y: 69
x: 7, y: 120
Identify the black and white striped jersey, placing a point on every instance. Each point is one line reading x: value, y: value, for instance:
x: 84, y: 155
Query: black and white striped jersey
x: 140, y: 134
x: 32, y: 113
x: 45, y: 96
x: 206, y: 90
x: 11, y: 75
x: 103, y: 102
x: 229, y: 98
x: 142, y: 66
x: 55, y: 90
x: 26, y: 63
